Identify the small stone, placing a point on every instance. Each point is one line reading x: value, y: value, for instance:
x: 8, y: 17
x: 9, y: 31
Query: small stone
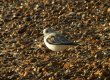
x: 67, y: 71
x: 27, y: 18
x: 36, y: 7
x: 108, y: 10
x: 50, y: 64
x: 51, y: 78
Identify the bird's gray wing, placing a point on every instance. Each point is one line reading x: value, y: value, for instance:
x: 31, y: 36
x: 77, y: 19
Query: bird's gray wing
x: 58, y: 39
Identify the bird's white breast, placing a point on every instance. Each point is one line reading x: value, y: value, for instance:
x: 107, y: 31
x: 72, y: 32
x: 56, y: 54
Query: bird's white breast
x: 55, y: 47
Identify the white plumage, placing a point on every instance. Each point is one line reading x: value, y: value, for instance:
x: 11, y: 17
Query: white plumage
x: 56, y: 41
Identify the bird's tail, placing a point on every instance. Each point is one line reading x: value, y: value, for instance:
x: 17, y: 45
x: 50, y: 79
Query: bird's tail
x: 78, y: 43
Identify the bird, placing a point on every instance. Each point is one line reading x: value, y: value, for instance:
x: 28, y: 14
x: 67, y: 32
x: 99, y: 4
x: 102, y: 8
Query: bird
x: 55, y: 41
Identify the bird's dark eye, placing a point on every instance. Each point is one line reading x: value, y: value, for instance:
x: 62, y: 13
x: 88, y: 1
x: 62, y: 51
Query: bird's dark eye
x: 46, y: 31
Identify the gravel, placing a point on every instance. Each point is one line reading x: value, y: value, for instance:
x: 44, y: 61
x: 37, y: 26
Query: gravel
x: 23, y: 55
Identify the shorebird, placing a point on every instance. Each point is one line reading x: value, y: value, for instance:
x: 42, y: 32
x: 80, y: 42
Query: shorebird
x: 55, y: 41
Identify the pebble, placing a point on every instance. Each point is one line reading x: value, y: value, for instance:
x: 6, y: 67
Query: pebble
x: 108, y: 10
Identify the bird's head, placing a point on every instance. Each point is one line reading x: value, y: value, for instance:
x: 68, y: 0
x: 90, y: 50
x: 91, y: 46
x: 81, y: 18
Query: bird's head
x: 47, y: 31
